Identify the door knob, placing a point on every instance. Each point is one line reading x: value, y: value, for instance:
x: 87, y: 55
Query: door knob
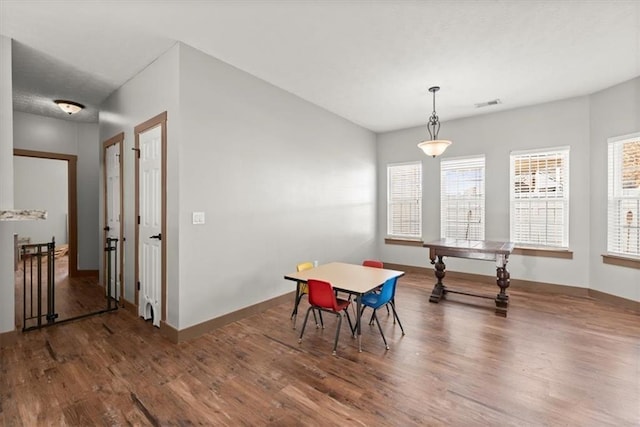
x: 157, y: 236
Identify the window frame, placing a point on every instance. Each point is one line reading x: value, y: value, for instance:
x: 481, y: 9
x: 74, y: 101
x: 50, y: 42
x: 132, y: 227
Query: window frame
x: 391, y: 232
x: 545, y: 200
x: 449, y: 227
x: 616, y: 196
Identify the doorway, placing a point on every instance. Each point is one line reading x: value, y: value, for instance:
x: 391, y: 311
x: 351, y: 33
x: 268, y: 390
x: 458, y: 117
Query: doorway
x: 113, y: 216
x: 71, y: 197
x: 48, y: 181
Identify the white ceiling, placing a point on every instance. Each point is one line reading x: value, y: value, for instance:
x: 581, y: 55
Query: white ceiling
x: 370, y: 62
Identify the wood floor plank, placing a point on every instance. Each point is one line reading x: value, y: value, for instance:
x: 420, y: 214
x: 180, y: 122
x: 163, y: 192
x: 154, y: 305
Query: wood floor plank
x: 555, y: 360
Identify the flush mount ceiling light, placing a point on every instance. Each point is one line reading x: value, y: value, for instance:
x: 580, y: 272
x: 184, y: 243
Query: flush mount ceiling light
x: 69, y: 107
x: 434, y: 147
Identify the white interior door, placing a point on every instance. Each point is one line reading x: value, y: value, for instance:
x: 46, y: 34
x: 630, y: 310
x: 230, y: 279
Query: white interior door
x: 112, y: 168
x: 150, y: 239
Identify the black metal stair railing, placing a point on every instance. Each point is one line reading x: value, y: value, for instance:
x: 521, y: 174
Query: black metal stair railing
x: 38, y: 284
x: 38, y: 266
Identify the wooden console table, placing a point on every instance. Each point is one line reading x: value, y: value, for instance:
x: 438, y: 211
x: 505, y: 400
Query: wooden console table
x: 473, y: 249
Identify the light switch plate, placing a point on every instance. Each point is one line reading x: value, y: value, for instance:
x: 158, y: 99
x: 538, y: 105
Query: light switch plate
x: 198, y: 218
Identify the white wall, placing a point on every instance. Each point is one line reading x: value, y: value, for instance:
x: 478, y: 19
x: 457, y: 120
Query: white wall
x: 40, y: 133
x: 151, y: 92
x: 561, y: 123
x: 614, y: 112
x: 90, y: 247
x: 42, y: 184
x: 584, y: 124
x: 7, y: 309
x: 280, y: 180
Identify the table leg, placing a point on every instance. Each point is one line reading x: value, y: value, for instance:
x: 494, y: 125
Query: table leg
x: 502, y: 299
x: 294, y: 313
x: 359, y: 309
x: 439, y: 289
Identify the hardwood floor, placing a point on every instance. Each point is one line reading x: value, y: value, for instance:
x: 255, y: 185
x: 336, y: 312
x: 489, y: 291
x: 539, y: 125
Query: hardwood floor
x: 559, y: 361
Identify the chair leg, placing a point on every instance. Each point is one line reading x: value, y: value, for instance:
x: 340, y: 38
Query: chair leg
x: 294, y: 313
x: 353, y: 306
x: 380, y: 329
x: 395, y: 315
x: 335, y: 343
x: 304, y: 325
x: 352, y: 327
x: 321, y: 321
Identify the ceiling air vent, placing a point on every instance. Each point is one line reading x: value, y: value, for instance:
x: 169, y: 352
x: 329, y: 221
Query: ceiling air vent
x: 488, y: 103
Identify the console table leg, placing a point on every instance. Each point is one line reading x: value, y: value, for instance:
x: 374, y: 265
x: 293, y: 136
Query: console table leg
x: 502, y: 299
x: 439, y: 289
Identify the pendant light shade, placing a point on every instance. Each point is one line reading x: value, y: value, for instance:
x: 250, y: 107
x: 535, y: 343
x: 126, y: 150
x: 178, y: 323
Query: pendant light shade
x: 69, y: 107
x: 434, y: 147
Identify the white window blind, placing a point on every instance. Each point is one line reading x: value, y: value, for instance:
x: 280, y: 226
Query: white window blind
x: 539, y: 188
x: 623, y: 231
x: 404, y: 200
x: 462, y: 214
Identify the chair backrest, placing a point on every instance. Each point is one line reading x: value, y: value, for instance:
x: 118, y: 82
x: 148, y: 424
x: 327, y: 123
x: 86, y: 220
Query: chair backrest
x: 321, y: 294
x: 304, y: 266
x: 388, y: 291
x: 372, y: 263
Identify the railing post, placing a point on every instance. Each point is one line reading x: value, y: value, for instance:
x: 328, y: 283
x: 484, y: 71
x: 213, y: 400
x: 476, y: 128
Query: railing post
x: 51, y: 282
x: 111, y: 247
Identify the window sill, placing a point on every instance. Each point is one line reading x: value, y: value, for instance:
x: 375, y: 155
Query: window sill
x: 544, y: 252
x: 621, y: 261
x: 403, y: 242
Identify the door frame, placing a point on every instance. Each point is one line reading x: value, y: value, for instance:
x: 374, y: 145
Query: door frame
x: 119, y: 138
x: 72, y: 190
x: 159, y: 120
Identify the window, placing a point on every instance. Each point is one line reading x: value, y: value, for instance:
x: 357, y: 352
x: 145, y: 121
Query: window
x: 462, y: 198
x: 404, y: 200
x: 539, y: 188
x: 623, y: 231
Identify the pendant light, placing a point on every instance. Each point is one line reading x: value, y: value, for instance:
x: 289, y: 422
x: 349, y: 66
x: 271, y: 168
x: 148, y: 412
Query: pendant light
x: 434, y: 147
